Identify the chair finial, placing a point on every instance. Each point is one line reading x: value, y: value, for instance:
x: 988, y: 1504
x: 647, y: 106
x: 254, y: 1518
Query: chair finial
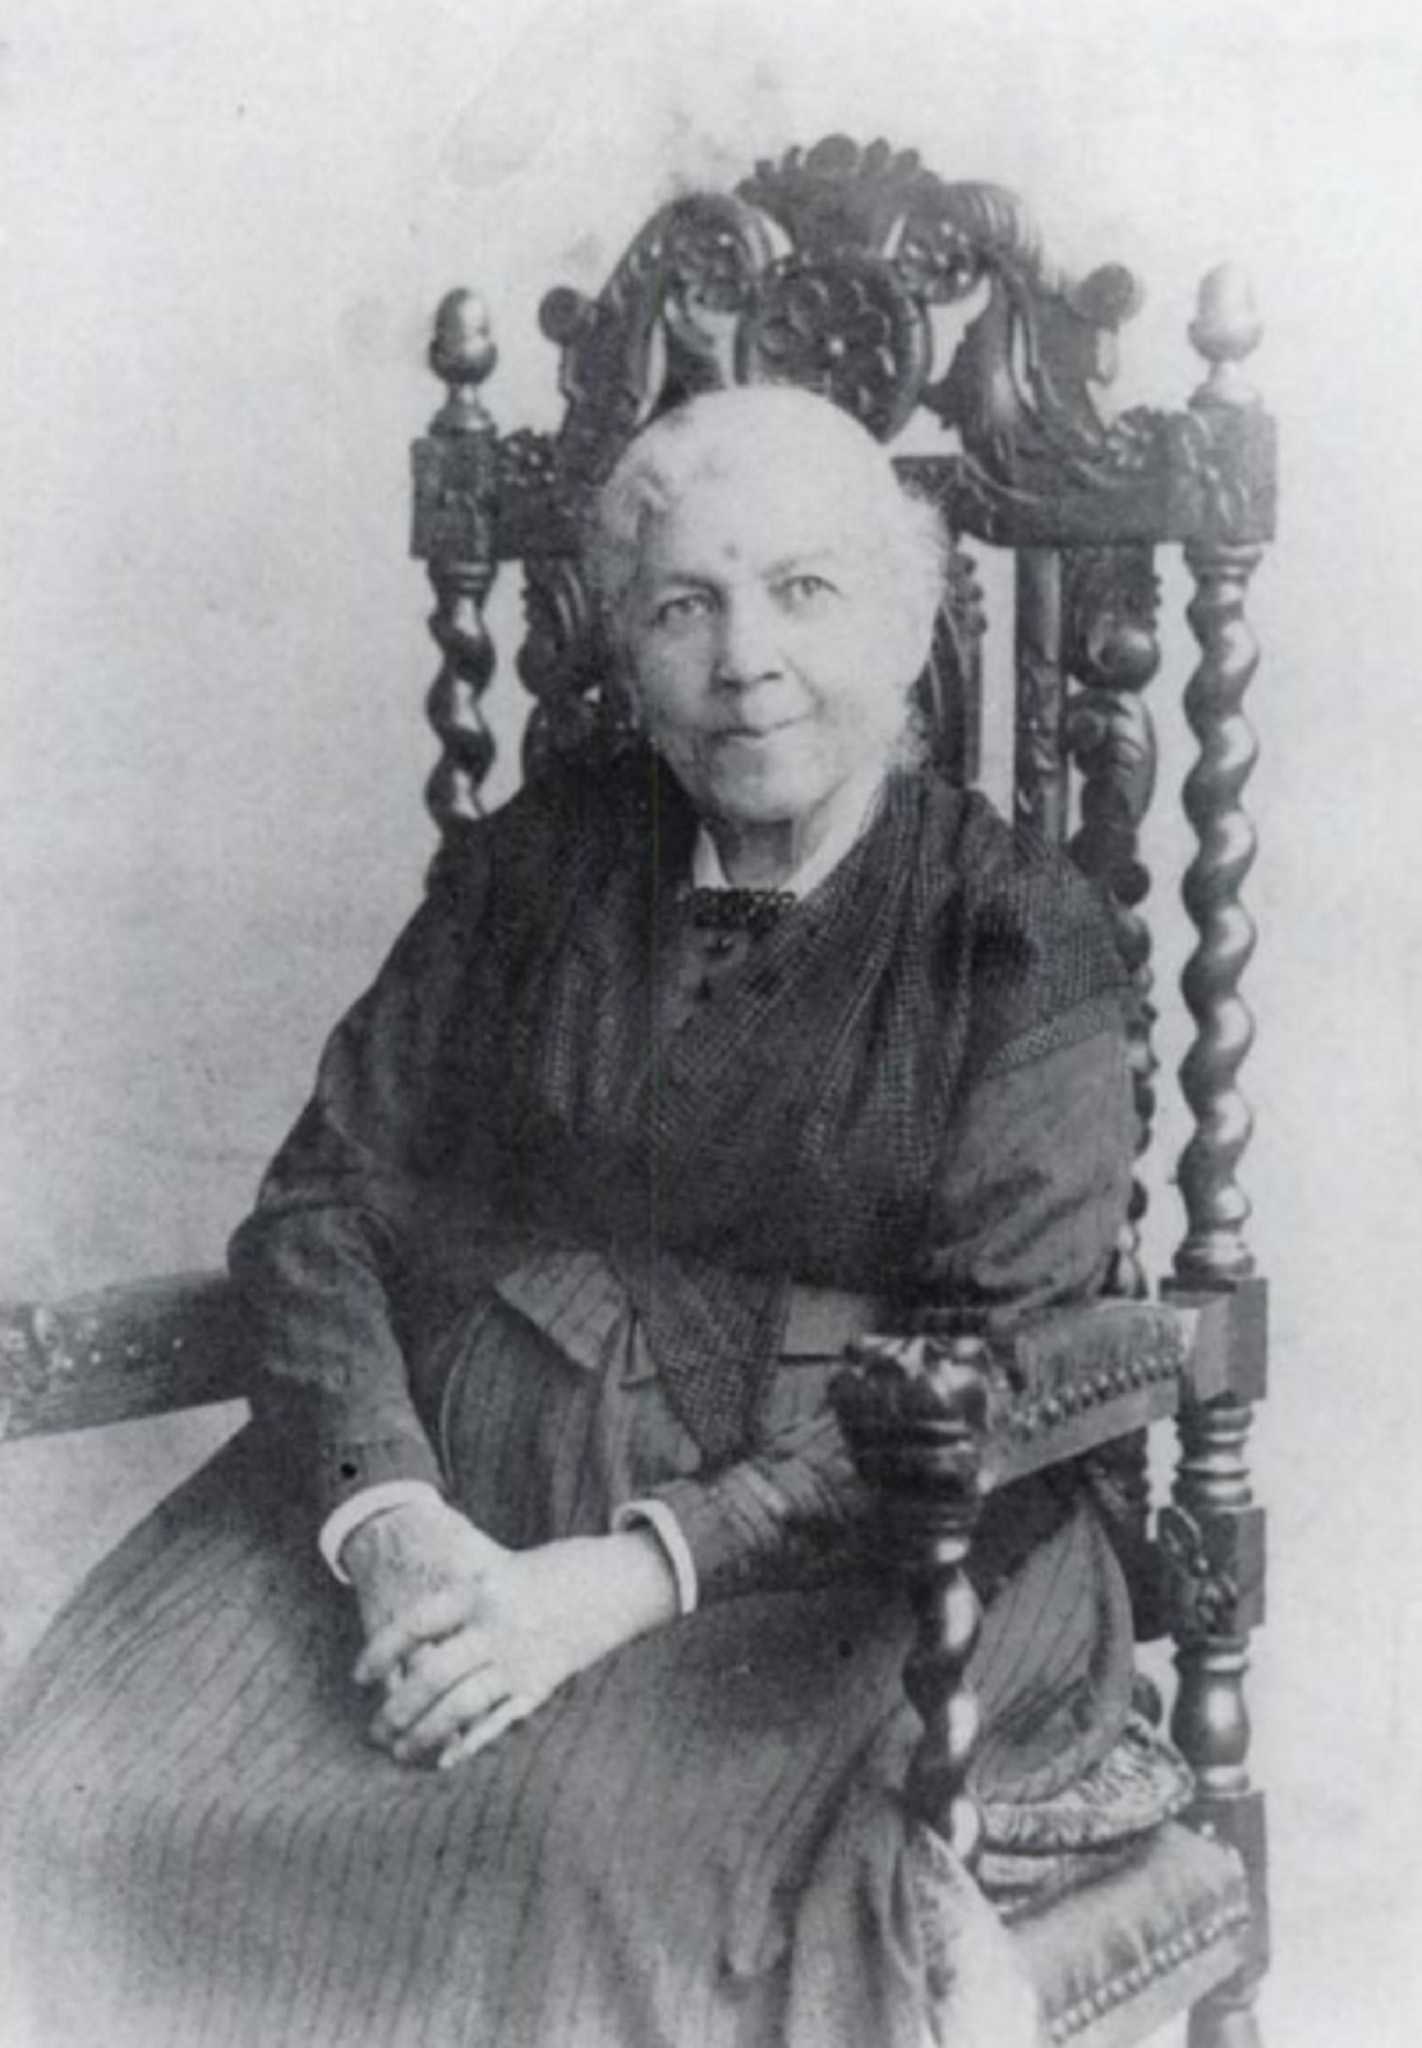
x: 1226, y: 328
x: 462, y: 354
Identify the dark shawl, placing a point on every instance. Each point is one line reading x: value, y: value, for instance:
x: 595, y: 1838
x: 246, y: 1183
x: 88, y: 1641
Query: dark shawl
x: 793, y: 1134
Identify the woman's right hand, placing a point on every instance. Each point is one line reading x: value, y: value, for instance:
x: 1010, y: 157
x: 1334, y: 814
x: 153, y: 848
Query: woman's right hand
x: 417, y: 1571
x: 465, y: 1637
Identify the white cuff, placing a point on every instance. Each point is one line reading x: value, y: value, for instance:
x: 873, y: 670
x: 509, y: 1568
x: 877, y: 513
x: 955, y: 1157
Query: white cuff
x: 662, y: 1522
x: 363, y: 1507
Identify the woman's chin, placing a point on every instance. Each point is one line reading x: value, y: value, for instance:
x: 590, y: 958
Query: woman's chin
x: 770, y: 803
x: 758, y: 785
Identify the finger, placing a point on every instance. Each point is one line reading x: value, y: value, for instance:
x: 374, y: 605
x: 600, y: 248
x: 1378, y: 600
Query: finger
x: 425, y: 1620
x: 481, y: 1733
x: 432, y: 1669
x: 470, y: 1700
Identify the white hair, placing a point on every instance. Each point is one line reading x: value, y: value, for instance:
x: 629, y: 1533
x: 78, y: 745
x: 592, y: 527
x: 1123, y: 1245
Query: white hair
x: 712, y: 437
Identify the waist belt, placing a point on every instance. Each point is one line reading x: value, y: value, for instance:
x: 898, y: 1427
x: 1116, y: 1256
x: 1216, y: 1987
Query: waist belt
x: 576, y: 1298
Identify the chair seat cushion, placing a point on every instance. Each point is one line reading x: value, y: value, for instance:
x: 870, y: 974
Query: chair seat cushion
x: 1113, y: 1959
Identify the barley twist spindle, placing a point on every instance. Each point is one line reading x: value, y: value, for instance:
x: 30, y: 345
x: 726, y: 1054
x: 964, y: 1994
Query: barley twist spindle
x: 915, y: 1416
x: 1214, y: 1250
x: 455, y: 473
x: 948, y: 1616
x: 1216, y: 1207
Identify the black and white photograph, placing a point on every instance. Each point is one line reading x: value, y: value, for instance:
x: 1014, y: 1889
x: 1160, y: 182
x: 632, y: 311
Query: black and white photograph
x: 712, y: 915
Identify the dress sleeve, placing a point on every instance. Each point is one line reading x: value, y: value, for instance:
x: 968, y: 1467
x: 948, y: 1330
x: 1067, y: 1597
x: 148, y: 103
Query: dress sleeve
x: 324, y: 1261
x: 1025, y: 1215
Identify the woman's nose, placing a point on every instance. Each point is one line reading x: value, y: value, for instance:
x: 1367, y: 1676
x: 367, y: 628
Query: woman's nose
x: 749, y: 647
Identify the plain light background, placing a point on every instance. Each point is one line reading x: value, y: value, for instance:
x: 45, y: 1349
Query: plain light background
x: 221, y: 235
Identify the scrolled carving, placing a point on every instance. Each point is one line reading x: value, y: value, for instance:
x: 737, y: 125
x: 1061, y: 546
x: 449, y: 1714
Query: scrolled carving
x: 941, y: 238
x: 696, y: 259
x: 711, y: 257
x: 568, y: 670
x: 1018, y: 389
x: 1111, y: 601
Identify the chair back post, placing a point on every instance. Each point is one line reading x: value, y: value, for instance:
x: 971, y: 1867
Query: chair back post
x: 1222, y: 558
x: 455, y: 474
x: 1111, y: 648
x: 1212, y: 1537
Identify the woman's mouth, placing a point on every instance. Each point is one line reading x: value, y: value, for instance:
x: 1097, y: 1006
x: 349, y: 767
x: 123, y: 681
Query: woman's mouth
x: 757, y: 732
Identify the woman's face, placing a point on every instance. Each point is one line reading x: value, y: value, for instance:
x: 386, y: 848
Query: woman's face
x: 772, y: 644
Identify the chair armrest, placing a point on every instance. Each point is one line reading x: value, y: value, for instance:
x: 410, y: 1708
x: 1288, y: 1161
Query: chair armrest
x: 937, y: 1420
x: 1074, y: 1379
x: 120, y: 1353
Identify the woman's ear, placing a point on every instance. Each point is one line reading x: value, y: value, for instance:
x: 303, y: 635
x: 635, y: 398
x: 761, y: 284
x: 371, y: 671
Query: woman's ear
x: 620, y: 688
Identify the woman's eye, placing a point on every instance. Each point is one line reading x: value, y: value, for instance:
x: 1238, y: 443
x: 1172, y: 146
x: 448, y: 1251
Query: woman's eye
x: 679, y: 610
x: 804, y: 590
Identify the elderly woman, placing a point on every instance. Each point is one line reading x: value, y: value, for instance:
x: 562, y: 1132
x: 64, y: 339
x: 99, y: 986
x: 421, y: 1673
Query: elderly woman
x: 681, y: 1072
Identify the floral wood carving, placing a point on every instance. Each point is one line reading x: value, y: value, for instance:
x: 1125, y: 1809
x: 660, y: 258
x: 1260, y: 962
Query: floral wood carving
x: 1202, y: 1594
x: 847, y: 329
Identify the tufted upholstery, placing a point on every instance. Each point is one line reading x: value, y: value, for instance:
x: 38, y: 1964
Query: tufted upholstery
x: 1113, y: 1960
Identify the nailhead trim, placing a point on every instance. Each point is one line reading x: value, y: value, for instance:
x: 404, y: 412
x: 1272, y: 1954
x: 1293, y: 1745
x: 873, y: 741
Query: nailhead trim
x: 1158, y: 1962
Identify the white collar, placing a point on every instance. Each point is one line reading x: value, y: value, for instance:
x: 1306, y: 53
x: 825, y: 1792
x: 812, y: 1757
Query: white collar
x: 708, y: 873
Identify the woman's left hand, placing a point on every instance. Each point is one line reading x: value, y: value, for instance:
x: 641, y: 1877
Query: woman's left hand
x: 466, y: 1662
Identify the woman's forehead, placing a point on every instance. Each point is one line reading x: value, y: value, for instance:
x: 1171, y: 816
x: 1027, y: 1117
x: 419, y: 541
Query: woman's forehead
x: 760, y: 516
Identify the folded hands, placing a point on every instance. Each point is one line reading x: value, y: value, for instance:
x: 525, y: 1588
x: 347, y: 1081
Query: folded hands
x: 465, y: 1638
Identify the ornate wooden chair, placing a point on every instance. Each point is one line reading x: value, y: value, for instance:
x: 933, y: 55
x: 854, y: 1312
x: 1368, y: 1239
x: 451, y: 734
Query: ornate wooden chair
x: 833, y: 268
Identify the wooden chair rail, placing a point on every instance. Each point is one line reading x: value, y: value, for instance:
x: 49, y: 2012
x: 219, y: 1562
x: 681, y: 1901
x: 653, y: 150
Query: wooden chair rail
x: 1065, y: 1383
x: 119, y: 1354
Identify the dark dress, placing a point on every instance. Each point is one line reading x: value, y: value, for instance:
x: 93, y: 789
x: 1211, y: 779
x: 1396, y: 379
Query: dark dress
x: 567, y: 1222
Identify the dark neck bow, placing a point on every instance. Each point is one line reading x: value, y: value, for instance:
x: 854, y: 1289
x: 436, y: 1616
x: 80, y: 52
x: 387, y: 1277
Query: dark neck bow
x: 735, y: 910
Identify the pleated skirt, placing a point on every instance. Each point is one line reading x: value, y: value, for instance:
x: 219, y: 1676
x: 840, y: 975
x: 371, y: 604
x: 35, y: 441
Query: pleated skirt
x: 699, y: 1843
